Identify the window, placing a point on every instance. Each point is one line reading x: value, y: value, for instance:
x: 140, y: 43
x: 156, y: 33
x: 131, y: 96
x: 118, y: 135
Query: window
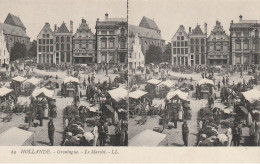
x: 197, y: 41
x: 43, y: 41
x: 43, y: 48
x: 202, y: 58
x: 186, y: 43
x: 182, y: 37
x: 246, y: 45
x: 221, y: 48
x: 40, y: 49
x: 68, y: 57
x: 111, y: 32
x: 47, y: 41
x: 174, y: 44
x: 202, y: 49
x: 112, y: 43
x: 186, y: 50
x: 57, y: 47
x: 238, y: 44
x: 178, y: 44
x: 178, y: 37
x: 178, y: 50
x: 40, y: 41
x: 47, y: 35
x: 238, y: 34
x: 180, y: 33
x: 174, y: 51
x: 51, y: 41
x: 62, y: 59
x: 197, y: 49
x: 57, y: 39
x: 197, y: 59
x: 62, y: 39
x: 122, y: 43
x: 51, y: 48
x: 62, y: 47
x: 182, y: 51
x: 202, y: 41
x: 104, y: 43
x: 122, y: 31
x: 182, y: 44
x: 43, y: 35
x: 103, y: 32
x: 47, y: 49
x: 246, y: 33
x: 174, y: 60
x: 191, y: 41
x: 68, y: 47
x: 192, y: 49
x: 68, y: 38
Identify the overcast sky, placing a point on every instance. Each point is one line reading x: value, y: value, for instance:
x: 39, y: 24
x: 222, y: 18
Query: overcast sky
x: 169, y: 14
x: 34, y: 13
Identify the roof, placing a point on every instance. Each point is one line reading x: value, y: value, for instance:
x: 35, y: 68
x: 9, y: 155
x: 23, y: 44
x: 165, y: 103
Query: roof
x: 154, y: 81
x: 63, y: 28
x: 197, y: 31
x: 12, y: 30
x: 167, y: 83
x: 71, y: 79
x: 33, y: 81
x: 111, y: 21
x: 4, y: 91
x: 43, y: 91
x: 206, y: 81
x: 181, y: 29
x: 14, y: 21
x: 118, y: 94
x: 116, y: 20
x: 19, y: 79
x: 252, y: 95
x: 148, y: 23
x: 144, y: 32
x: 179, y: 93
x: 47, y: 27
x: 137, y: 94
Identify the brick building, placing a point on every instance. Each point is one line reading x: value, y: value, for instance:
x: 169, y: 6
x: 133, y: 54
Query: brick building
x: 111, y: 40
x: 84, y: 43
x: 218, y: 46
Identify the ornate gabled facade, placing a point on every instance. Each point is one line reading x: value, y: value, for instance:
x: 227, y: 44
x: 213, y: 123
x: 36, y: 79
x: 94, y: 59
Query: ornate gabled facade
x: 218, y: 46
x: 45, y: 45
x: 4, y: 54
x: 180, y: 47
x: 63, y: 43
x: 198, y: 46
x: 111, y: 40
x: 245, y: 42
x: 14, y: 31
x: 84, y: 43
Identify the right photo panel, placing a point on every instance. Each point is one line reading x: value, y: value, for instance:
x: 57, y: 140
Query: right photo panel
x: 194, y: 73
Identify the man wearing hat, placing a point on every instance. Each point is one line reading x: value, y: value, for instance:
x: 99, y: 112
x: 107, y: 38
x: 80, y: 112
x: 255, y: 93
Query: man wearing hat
x: 51, y: 130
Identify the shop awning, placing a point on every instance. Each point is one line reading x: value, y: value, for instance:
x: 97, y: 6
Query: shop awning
x: 118, y: 94
x: 4, y: 91
x: 252, y: 95
x: 33, y: 81
x: 167, y: 83
x: 154, y: 81
x: 71, y: 79
x: 43, y: 91
x: 19, y: 79
x: 137, y: 94
x: 179, y: 93
x: 206, y: 81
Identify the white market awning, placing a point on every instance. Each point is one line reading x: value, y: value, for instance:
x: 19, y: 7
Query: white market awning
x: 71, y: 79
x: 137, y: 94
x: 33, y: 81
x: 167, y: 83
x: 206, y: 81
x: 118, y: 94
x: 252, y: 95
x: 179, y: 93
x: 4, y: 91
x: 45, y: 91
x: 154, y: 81
x: 19, y: 79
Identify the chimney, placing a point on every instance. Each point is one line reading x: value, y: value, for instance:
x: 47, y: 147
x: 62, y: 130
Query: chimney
x: 47, y: 24
x: 71, y: 26
x: 55, y: 27
x: 189, y: 29
x: 240, y: 18
x: 205, y: 28
x: 106, y: 16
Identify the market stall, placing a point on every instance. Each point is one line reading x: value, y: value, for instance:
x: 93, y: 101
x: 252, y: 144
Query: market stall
x: 5, y: 98
x: 16, y: 84
x: 152, y: 87
x: 206, y: 88
x: 30, y: 84
x: 70, y: 86
x: 136, y: 99
x: 165, y: 86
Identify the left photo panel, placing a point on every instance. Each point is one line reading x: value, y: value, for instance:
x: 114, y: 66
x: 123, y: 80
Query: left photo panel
x: 63, y: 73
